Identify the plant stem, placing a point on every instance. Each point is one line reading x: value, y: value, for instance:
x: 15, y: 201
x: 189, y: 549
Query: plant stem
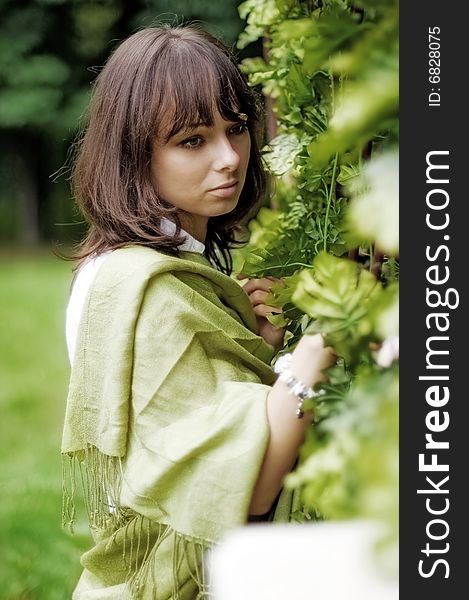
x: 293, y: 264
x: 329, y: 199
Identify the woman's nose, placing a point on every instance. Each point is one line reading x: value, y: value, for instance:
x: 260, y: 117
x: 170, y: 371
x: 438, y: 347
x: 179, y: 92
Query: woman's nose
x: 226, y: 156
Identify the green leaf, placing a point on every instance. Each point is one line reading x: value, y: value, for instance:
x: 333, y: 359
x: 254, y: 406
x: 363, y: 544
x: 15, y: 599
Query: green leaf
x: 336, y: 294
x: 281, y: 152
x: 347, y: 172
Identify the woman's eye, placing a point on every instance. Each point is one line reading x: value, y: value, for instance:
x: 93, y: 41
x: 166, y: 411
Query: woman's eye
x: 193, y: 142
x: 239, y: 128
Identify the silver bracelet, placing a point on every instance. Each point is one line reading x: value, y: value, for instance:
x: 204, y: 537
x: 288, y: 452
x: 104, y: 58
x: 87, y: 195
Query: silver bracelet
x: 295, y: 386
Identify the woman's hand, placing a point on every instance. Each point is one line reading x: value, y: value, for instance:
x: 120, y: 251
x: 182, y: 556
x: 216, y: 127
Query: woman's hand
x: 287, y: 433
x: 257, y: 291
x: 311, y: 358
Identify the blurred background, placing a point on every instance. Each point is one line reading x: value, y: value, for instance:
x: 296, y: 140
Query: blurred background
x: 330, y: 80
x: 50, y: 52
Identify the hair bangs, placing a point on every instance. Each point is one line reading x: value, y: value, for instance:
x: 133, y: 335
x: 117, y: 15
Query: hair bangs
x: 197, y: 83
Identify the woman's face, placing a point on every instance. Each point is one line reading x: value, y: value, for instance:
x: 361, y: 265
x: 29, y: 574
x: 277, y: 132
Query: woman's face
x: 202, y: 170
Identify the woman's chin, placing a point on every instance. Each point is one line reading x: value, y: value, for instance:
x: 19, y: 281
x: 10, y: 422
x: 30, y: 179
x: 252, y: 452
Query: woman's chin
x: 223, y: 206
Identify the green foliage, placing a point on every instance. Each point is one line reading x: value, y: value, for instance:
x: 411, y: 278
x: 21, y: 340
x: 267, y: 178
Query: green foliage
x: 337, y: 295
x: 350, y: 459
x: 219, y: 18
x: 93, y: 23
x: 331, y: 69
x: 333, y: 73
x: 35, y: 77
x: 259, y: 15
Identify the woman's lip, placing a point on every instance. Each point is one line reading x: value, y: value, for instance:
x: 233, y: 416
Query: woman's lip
x: 224, y: 191
x: 228, y: 184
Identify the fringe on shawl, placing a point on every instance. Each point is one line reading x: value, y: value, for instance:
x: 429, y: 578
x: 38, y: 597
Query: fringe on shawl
x: 101, y: 477
x: 186, y: 551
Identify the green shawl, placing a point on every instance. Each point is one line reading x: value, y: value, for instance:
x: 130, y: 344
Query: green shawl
x: 166, y: 419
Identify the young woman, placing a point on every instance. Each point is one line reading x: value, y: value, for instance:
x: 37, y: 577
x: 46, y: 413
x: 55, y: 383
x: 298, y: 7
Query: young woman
x: 173, y: 415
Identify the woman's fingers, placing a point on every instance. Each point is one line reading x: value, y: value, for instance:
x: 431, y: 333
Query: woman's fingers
x: 262, y: 310
x: 329, y: 357
x: 258, y: 297
x: 264, y: 283
x: 312, y: 346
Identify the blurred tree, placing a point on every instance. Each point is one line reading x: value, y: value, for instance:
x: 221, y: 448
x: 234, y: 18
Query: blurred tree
x: 50, y: 50
x: 43, y: 89
x: 219, y: 18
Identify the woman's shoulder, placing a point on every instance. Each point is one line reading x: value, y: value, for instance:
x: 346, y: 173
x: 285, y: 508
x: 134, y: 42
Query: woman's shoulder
x: 135, y: 263
x: 140, y: 271
x: 139, y: 281
x: 136, y: 257
x: 82, y: 283
x: 88, y: 269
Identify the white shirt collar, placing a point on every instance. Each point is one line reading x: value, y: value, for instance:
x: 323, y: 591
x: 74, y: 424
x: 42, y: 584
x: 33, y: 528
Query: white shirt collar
x: 190, y: 244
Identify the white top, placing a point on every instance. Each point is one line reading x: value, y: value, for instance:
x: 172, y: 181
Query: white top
x: 86, y: 275
x: 326, y: 560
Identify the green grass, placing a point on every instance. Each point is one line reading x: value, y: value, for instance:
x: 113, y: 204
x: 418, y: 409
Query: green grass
x: 38, y: 560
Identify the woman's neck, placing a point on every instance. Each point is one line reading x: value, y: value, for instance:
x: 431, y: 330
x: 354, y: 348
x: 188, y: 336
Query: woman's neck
x: 195, y: 225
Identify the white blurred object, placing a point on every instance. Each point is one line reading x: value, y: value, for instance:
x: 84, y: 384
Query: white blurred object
x: 373, y: 211
x: 389, y: 351
x: 319, y: 561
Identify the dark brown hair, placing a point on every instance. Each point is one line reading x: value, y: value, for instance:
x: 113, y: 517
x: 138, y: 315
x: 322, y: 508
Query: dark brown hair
x: 158, y: 81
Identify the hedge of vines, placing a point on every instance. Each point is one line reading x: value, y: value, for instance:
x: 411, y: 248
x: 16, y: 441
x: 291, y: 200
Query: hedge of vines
x: 331, y: 232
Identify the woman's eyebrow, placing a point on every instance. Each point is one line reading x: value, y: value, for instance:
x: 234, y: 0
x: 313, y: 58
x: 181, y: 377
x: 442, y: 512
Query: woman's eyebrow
x: 195, y: 125
x: 198, y: 124
x: 186, y: 130
x: 190, y: 127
